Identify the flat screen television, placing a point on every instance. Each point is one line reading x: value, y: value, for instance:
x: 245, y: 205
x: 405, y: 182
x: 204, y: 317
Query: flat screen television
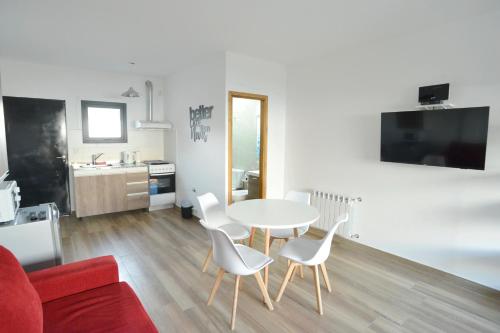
x: 454, y: 138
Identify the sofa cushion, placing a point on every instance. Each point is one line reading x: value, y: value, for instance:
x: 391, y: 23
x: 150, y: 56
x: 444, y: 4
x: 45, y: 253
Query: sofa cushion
x: 20, y: 305
x: 61, y: 281
x: 112, y: 308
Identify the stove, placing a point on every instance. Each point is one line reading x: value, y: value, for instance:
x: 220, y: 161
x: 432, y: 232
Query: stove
x: 156, y: 162
x: 34, y: 236
x: 159, y: 167
x: 161, y: 184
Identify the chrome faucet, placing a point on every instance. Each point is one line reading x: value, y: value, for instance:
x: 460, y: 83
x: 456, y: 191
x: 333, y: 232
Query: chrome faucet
x: 95, y: 157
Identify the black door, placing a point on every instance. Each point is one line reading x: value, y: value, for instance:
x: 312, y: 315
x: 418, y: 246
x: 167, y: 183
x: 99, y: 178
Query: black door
x: 37, y: 150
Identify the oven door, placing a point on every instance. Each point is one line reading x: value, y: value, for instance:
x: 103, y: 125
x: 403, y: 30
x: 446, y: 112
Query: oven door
x: 164, y: 181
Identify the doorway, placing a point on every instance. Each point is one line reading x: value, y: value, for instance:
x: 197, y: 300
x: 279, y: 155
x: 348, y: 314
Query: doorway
x: 247, y: 146
x: 37, y: 148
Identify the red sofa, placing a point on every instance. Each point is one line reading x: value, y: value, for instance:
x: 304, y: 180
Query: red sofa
x: 84, y: 296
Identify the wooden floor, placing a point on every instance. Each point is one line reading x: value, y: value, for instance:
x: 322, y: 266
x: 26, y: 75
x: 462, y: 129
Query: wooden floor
x: 160, y: 256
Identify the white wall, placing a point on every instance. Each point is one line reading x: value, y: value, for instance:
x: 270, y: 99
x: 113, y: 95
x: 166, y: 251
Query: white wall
x: 442, y: 217
x: 203, y: 165
x: 251, y: 75
x: 199, y: 165
x: 72, y: 85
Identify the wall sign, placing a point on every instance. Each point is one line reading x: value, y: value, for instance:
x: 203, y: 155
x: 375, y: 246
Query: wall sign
x: 199, y: 131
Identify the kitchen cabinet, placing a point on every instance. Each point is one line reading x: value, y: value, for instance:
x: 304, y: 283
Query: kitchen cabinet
x: 87, y: 199
x: 137, y: 190
x: 137, y: 200
x: 113, y: 189
x: 110, y: 190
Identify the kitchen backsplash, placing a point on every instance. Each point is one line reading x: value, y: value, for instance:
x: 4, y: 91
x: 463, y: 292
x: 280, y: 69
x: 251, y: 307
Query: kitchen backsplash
x: 149, y: 144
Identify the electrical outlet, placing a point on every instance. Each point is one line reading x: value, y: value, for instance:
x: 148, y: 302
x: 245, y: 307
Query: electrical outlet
x: 194, y: 189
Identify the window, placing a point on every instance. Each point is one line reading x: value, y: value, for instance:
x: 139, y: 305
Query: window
x: 104, y: 122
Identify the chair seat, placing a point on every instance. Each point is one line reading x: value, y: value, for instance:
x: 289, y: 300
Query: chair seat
x: 302, y: 250
x: 112, y: 308
x: 254, y: 260
x: 288, y: 233
x: 235, y: 231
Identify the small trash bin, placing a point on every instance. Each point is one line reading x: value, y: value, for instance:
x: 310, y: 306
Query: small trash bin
x: 186, y: 209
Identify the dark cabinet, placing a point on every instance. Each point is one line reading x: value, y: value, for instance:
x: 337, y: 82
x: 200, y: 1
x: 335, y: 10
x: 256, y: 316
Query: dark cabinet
x: 4, y: 165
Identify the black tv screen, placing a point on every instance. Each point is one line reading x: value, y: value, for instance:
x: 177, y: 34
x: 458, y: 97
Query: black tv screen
x: 433, y: 94
x: 453, y: 138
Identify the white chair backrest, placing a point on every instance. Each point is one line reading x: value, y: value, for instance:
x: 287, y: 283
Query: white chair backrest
x: 225, y: 253
x: 304, y: 197
x: 212, y: 212
x: 326, y: 242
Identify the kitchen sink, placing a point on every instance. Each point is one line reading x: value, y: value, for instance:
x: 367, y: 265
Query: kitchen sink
x: 98, y: 166
x: 90, y: 167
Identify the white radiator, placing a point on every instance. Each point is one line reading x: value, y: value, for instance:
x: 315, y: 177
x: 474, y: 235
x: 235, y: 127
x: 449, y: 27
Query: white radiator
x: 331, y: 206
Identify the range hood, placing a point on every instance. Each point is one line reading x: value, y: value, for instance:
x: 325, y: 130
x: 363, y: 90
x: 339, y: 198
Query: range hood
x: 150, y: 123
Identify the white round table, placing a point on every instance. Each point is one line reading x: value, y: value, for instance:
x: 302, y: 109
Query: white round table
x: 271, y: 214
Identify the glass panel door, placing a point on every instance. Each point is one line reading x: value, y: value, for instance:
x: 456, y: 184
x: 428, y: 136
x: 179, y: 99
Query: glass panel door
x: 246, y: 148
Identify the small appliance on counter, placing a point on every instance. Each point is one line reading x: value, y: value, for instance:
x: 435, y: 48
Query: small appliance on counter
x: 161, y: 184
x: 34, y: 236
x: 130, y: 157
x: 10, y: 200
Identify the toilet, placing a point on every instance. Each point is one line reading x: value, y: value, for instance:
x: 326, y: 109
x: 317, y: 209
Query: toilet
x: 238, y: 193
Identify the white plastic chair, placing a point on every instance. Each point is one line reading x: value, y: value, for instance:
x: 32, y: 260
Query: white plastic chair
x: 239, y: 260
x: 312, y: 253
x: 303, y: 197
x: 286, y: 234
x: 215, y: 217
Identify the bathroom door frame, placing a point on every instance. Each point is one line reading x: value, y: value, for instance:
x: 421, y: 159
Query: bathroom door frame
x: 263, y: 142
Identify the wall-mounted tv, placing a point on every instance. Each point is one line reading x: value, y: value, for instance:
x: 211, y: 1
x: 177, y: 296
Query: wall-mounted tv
x: 454, y: 138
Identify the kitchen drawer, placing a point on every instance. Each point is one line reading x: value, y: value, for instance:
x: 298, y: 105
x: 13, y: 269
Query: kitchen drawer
x: 133, y: 177
x: 137, y: 200
x: 137, y: 187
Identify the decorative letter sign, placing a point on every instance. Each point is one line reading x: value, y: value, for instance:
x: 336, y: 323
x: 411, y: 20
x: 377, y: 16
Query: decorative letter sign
x: 198, y: 130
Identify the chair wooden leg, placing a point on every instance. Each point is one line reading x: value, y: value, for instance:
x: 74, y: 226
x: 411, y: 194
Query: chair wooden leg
x: 267, y: 237
x: 293, y: 272
x: 218, y: 279
x: 207, y: 260
x: 263, y: 290
x: 318, y: 290
x: 299, y: 268
x: 285, y: 281
x: 271, y: 242
x: 252, y: 235
x: 325, y: 277
x: 235, y: 301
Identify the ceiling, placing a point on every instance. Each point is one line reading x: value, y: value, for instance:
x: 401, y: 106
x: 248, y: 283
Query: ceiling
x: 162, y: 36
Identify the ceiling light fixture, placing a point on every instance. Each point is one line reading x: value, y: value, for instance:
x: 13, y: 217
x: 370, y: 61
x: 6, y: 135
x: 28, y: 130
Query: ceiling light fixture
x: 130, y: 93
